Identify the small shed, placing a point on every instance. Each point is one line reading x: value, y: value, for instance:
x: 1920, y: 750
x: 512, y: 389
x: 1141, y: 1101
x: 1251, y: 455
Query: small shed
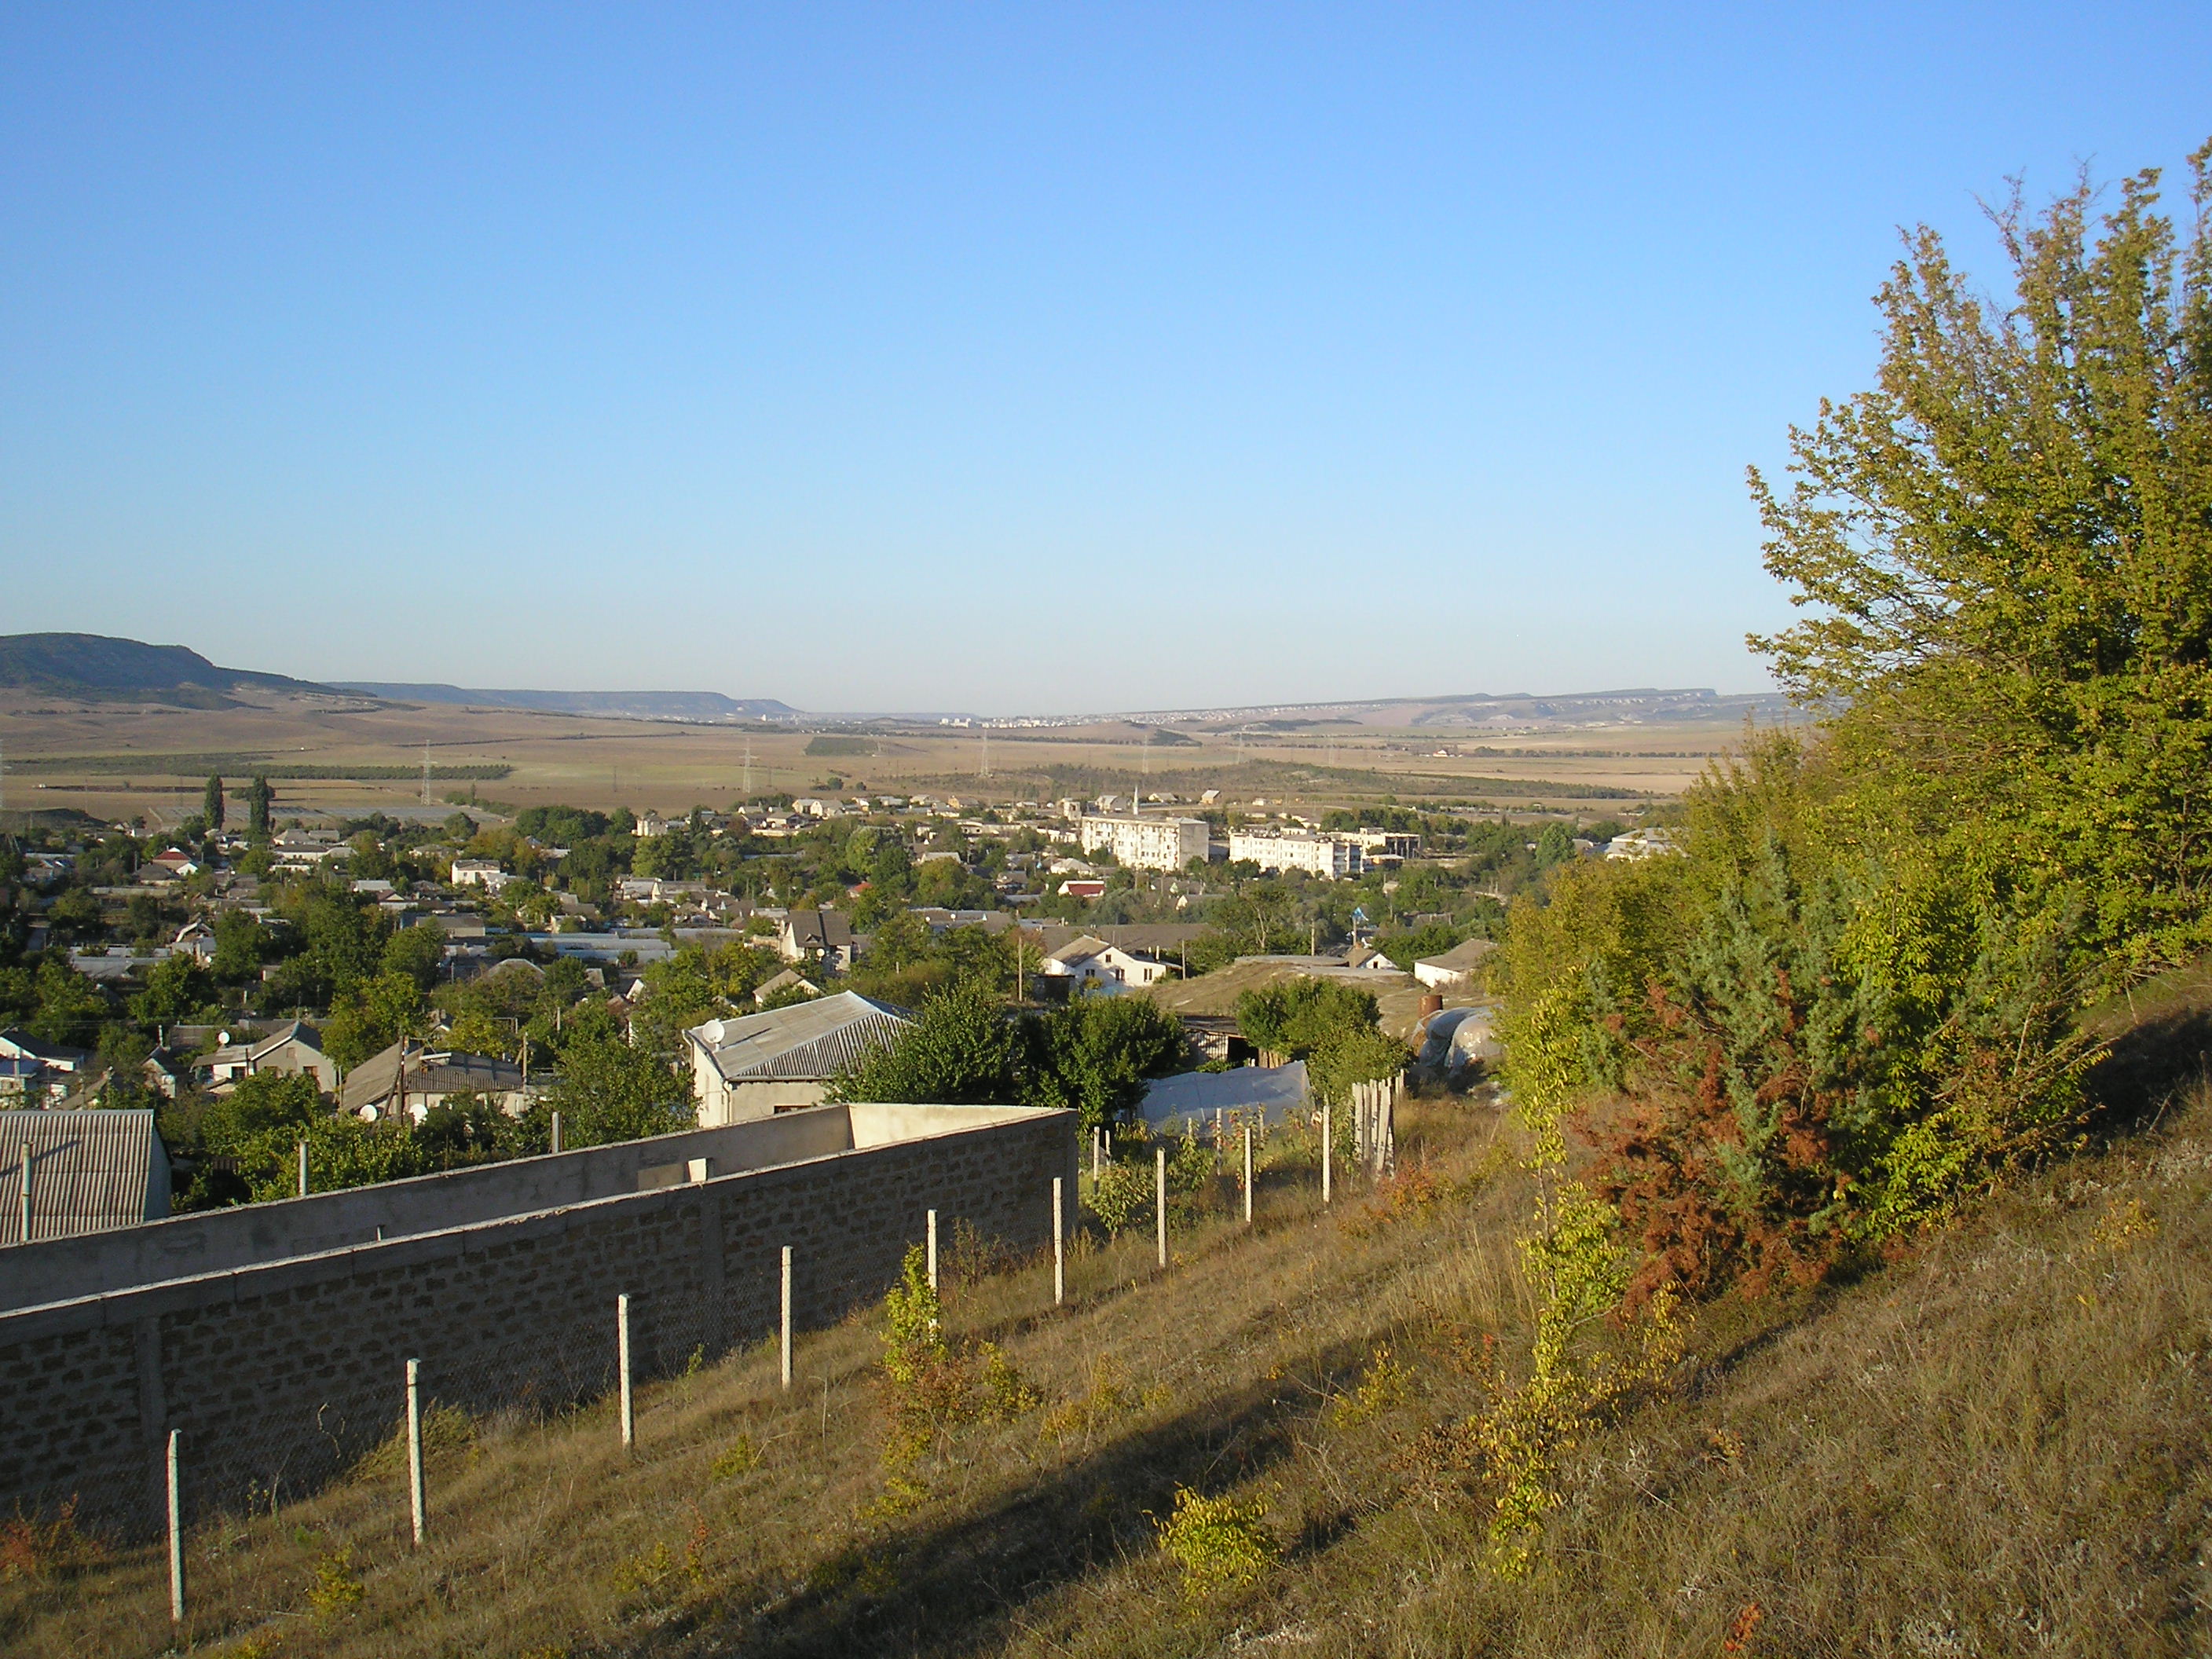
x: 89, y: 1171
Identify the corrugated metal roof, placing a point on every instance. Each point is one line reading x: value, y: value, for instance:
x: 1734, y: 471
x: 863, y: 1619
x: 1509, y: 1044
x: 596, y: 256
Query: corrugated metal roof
x: 90, y: 1170
x: 808, y: 1040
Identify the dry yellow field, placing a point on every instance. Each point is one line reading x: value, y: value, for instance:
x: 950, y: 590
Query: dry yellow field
x: 61, y: 754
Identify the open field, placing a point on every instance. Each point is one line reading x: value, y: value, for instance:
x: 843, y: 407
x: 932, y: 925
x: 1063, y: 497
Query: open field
x: 116, y: 760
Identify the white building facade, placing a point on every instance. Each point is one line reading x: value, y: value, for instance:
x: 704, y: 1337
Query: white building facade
x: 1332, y: 858
x: 1148, y: 843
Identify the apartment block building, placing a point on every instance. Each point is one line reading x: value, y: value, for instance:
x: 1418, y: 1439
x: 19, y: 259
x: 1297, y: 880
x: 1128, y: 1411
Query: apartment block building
x: 1148, y: 843
x: 1331, y: 857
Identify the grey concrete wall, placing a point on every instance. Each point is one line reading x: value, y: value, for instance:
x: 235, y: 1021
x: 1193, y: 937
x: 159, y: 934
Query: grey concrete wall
x: 282, y: 1374
x: 217, y: 1241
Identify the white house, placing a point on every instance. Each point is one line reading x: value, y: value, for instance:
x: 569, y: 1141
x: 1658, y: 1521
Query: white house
x: 1652, y: 843
x: 1148, y: 843
x: 479, y: 872
x: 1456, y: 967
x: 1088, y: 964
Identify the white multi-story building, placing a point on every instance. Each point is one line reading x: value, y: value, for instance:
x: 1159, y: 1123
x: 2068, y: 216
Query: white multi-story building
x: 1387, y: 843
x: 1330, y: 857
x: 1148, y: 843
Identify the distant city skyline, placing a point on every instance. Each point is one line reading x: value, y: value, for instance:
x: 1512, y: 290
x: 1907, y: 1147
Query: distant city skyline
x: 1003, y: 359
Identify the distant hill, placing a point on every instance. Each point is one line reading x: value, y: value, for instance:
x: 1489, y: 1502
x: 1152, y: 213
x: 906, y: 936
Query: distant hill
x: 97, y: 668
x: 639, y: 705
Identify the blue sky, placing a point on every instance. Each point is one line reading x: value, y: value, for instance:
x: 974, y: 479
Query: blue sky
x: 1009, y: 358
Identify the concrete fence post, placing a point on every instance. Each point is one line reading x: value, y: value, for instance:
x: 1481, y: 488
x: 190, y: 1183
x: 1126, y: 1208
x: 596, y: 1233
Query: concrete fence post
x: 933, y: 1253
x: 785, y: 1322
x: 303, y: 1169
x: 415, y: 1447
x: 1097, y: 1151
x: 1328, y: 1149
x: 621, y: 1365
x: 1248, y: 1175
x: 557, y: 1132
x: 176, y: 1534
x: 1059, y: 1246
x: 1160, y: 1198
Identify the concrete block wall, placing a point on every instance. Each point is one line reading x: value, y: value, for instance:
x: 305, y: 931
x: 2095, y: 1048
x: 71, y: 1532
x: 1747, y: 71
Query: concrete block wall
x: 282, y: 1374
x: 213, y: 1241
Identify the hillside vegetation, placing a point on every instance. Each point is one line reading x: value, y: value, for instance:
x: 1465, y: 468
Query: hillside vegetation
x: 1994, y: 1445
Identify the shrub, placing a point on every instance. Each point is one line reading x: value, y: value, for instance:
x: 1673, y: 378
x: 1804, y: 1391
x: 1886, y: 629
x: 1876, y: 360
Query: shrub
x: 1121, y: 1194
x: 1220, y: 1543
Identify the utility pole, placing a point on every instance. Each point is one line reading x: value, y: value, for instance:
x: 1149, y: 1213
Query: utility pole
x: 748, y: 769
x: 426, y: 772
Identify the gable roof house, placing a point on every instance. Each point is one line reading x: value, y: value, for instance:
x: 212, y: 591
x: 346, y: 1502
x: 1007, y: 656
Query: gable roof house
x: 777, y: 1061
x: 825, y: 933
x: 293, y: 1047
x: 411, y: 1078
x: 36, y: 1070
x: 1090, y: 963
x: 89, y: 1171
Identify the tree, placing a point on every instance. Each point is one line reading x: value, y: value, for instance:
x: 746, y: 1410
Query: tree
x: 419, y: 952
x: 2006, y: 552
x: 70, y: 1006
x: 1297, y: 1016
x: 211, y: 805
x: 1097, y: 1054
x: 962, y: 1050
x: 371, y: 1017
x: 260, y: 798
x: 177, y: 990
x: 609, y: 1092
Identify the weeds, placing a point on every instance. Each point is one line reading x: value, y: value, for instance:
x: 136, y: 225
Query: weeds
x: 1387, y: 1385
x: 740, y: 1457
x: 446, y: 1429
x: 39, y: 1551
x: 337, y: 1589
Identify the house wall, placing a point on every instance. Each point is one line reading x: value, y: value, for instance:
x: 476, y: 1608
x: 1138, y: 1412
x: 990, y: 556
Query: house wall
x: 741, y: 1103
x: 282, y: 1375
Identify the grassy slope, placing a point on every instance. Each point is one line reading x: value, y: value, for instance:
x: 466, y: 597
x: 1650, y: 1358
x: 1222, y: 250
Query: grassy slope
x: 1994, y: 1446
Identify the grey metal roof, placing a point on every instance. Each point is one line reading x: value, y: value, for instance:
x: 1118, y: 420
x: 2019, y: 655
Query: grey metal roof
x: 430, y: 1071
x: 808, y: 1040
x: 90, y: 1170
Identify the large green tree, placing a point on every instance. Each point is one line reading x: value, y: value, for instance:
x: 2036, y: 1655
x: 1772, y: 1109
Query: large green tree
x: 2005, y: 552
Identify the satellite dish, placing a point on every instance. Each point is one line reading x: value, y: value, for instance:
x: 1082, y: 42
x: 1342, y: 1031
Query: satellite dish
x: 223, y: 1037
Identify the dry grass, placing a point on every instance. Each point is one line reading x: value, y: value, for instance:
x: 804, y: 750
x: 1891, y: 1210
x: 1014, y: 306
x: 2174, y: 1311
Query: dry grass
x: 1993, y: 1447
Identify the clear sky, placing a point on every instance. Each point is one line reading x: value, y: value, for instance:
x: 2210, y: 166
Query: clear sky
x: 1014, y: 358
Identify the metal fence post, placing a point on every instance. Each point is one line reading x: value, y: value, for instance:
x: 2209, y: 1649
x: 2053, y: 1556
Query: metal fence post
x: 1059, y: 1246
x: 1248, y: 1175
x: 1160, y: 1197
x: 787, y: 1317
x: 23, y: 1195
x: 176, y: 1535
x: 621, y: 1362
x: 415, y: 1447
x: 303, y: 1169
